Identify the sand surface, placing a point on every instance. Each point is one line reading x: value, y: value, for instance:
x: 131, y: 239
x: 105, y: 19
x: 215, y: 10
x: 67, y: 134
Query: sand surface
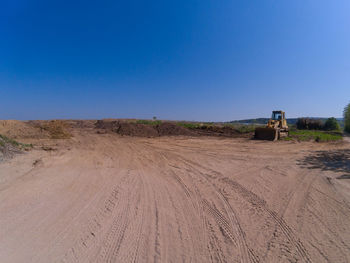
x: 109, y: 198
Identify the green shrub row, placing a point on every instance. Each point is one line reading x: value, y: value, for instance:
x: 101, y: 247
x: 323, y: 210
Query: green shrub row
x: 347, y: 118
x: 316, y: 124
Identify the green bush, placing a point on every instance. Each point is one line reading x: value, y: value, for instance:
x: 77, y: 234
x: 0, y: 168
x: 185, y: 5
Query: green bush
x: 4, y: 139
x: 309, y: 124
x: 8, y: 140
x: 331, y: 124
x: 347, y: 118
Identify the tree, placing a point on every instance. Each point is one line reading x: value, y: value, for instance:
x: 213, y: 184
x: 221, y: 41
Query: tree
x: 331, y: 124
x: 309, y: 124
x: 347, y: 118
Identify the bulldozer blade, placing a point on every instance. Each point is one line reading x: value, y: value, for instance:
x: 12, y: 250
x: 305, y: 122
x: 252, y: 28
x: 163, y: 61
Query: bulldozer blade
x: 265, y: 133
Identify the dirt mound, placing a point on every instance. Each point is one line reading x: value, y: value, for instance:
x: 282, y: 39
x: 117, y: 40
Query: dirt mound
x: 55, y: 129
x: 165, y: 129
x: 81, y: 124
x: 106, y: 125
x: 135, y: 129
x: 142, y: 130
x: 21, y: 130
x: 127, y: 128
x: 224, y: 131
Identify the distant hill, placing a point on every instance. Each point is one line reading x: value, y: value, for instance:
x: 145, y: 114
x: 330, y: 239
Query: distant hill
x: 289, y: 120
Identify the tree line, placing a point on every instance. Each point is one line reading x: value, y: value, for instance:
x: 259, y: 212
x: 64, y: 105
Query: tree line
x: 346, y: 115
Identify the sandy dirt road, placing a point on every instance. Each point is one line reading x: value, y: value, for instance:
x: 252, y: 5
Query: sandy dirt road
x: 107, y: 198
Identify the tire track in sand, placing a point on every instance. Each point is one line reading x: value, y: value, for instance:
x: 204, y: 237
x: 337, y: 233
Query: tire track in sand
x: 256, y: 202
x: 204, y: 209
x: 233, y: 226
x: 87, y: 239
x: 109, y: 251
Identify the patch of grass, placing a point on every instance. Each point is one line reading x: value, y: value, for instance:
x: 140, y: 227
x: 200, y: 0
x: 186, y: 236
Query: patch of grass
x: 57, y: 129
x: 9, y: 141
x: 4, y: 140
x: 314, y: 135
x: 149, y: 122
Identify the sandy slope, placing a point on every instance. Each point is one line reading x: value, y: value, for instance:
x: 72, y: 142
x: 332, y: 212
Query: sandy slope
x: 107, y: 198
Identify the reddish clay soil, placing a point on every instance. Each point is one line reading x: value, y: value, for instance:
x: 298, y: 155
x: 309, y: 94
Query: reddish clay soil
x: 103, y: 197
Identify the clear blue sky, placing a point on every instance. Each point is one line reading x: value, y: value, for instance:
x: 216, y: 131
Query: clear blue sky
x: 184, y: 59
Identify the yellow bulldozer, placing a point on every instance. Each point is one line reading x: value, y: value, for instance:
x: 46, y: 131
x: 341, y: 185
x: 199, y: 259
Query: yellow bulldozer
x: 275, y: 129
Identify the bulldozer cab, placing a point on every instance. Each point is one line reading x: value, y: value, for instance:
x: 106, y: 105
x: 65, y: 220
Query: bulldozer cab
x: 278, y: 119
x: 277, y: 115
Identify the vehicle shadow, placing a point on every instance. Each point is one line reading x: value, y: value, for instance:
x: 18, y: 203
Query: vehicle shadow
x: 333, y: 160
